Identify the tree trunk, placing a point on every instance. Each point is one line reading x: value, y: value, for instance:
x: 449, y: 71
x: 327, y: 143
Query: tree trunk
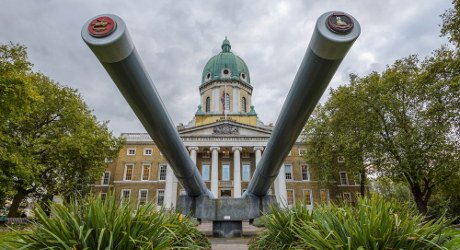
x: 17, y: 199
x: 362, y: 187
x: 418, y: 197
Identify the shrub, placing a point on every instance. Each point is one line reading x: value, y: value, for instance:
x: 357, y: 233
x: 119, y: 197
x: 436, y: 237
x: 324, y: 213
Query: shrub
x: 373, y: 223
x: 96, y: 224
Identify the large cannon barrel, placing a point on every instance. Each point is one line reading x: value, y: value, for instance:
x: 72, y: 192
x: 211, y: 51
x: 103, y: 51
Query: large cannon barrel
x: 108, y: 38
x: 333, y: 36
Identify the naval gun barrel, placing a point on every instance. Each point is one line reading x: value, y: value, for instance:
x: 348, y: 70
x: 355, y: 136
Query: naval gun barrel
x: 108, y: 38
x: 333, y: 36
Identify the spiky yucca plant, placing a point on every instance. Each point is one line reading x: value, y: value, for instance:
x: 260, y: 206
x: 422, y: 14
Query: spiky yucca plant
x: 94, y: 223
x: 373, y: 223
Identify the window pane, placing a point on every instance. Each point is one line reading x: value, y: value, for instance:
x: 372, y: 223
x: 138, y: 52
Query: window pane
x: 305, y: 174
x: 162, y: 176
x: 106, y: 178
x: 246, y: 172
x: 160, y: 197
x: 288, y: 172
x: 129, y: 172
x: 324, y: 194
x: 290, y: 196
x: 343, y: 178
x: 226, y: 172
x: 205, y: 172
x: 142, y: 197
x: 145, y: 172
x: 307, y: 196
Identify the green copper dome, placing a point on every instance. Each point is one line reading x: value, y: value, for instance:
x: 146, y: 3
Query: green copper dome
x: 226, y: 66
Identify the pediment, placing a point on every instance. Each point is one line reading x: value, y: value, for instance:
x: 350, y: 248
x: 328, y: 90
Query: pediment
x: 225, y: 129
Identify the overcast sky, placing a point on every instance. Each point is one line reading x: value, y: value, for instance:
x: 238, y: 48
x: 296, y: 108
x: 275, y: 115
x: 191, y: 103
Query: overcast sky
x: 175, y: 39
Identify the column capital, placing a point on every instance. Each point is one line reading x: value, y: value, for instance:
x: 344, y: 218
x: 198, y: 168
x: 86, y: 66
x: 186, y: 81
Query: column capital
x: 259, y: 148
x: 193, y: 148
x: 237, y: 148
x: 214, y: 148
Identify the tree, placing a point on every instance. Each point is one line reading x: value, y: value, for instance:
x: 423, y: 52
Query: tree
x: 51, y: 143
x: 402, y: 122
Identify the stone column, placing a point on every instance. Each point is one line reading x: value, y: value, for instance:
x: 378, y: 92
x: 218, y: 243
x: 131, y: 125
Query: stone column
x: 215, y: 171
x: 193, y: 151
x: 280, y: 187
x: 258, y: 151
x: 170, y: 188
x: 236, y: 172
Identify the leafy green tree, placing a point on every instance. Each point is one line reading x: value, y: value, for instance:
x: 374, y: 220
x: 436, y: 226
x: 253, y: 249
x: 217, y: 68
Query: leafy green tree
x: 51, y: 143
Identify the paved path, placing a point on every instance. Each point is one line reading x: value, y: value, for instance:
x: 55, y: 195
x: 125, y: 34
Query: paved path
x: 240, y: 243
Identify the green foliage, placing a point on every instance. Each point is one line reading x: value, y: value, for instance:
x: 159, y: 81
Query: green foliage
x: 50, y: 141
x: 374, y: 223
x: 96, y: 224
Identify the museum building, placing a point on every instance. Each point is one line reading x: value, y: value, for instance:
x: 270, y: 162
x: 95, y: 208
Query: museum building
x: 226, y: 141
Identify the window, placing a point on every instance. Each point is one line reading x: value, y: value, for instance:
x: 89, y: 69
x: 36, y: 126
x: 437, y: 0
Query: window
x: 105, y: 178
x: 205, y: 172
x: 357, y: 179
x: 129, y: 172
x: 162, y: 172
x: 145, y: 172
x: 346, y: 197
x: 324, y: 195
x: 225, y: 193
x: 103, y: 196
x: 208, y: 104
x: 206, y: 154
x: 131, y: 151
x: 288, y: 171
x: 143, y: 193
x: 302, y: 152
x: 305, y: 173
x: 227, y: 102
x: 225, y: 172
x: 225, y: 154
x: 125, y: 195
x: 147, y: 151
x: 160, y: 197
x: 290, y: 196
x: 246, y: 171
x: 343, y: 178
x: 243, y: 104
x: 308, y: 197
x: 340, y: 159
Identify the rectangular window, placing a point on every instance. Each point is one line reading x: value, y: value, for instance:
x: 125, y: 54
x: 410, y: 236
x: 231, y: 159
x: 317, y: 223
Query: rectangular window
x: 129, y: 172
x: 343, y: 178
x: 288, y: 171
x: 246, y: 171
x: 125, y: 195
x: 162, y: 172
x: 225, y: 172
x: 301, y: 152
x: 131, y: 151
x: 357, y: 179
x: 290, y: 196
x: 346, y: 197
x: 105, y: 178
x: 225, y: 193
x: 308, y: 197
x: 160, y: 197
x: 103, y: 196
x: 143, y: 193
x: 205, y: 172
x: 324, y: 195
x: 206, y: 154
x: 305, y: 173
x: 225, y: 154
x: 148, y: 151
x: 145, y: 172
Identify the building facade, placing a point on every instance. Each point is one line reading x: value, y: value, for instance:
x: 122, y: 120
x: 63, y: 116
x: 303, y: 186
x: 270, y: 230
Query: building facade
x: 226, y: 140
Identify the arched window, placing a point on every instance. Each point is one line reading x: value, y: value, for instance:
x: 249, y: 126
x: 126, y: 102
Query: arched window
x: 243, y: 104
x: 227, y: 102
x: 208, y: 104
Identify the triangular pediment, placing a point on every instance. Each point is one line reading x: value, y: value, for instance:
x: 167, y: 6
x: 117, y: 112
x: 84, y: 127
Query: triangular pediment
x: 225, y: 129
